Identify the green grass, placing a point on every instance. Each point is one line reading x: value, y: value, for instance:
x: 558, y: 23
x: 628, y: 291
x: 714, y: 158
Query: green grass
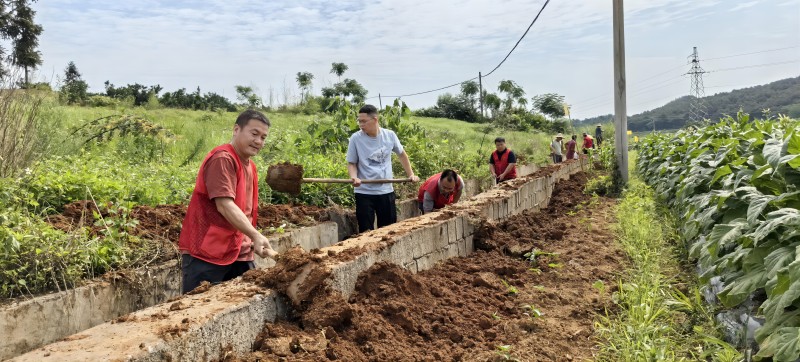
x: 215, y: 127
x: 656, y: 320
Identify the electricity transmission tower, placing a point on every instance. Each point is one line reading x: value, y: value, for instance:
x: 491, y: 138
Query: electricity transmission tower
x: 697, y: 107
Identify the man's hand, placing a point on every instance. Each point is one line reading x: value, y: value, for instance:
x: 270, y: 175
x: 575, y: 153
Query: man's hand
x: 414, y: 178
x: 356, y: 181
x: 262, y: 247
x: 501, y: 177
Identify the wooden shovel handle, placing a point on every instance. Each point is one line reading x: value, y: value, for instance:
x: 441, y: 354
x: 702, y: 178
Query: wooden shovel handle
x: 349, y: 181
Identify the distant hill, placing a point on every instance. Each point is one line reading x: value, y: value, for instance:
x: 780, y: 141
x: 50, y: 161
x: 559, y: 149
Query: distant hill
x: 780, y: 97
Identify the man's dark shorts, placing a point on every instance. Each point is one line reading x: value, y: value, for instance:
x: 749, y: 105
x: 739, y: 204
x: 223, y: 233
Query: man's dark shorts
x: 371, y: 207
x: 196, y: 271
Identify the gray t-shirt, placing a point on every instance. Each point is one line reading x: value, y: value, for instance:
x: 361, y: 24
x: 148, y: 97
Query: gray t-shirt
x: 557, y: 146
x: 373, y: 157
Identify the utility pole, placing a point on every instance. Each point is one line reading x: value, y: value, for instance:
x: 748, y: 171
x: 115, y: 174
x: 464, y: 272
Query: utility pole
x: 380, y: 101
x: 480, y: 91
x: 697, y: 107
x: 620, y: 107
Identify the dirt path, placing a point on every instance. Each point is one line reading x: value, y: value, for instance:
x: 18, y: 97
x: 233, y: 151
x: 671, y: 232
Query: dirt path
x: 464, y: 309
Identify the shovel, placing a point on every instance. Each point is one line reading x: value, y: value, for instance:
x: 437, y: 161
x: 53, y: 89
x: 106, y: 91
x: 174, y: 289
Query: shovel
x: 287, y: 177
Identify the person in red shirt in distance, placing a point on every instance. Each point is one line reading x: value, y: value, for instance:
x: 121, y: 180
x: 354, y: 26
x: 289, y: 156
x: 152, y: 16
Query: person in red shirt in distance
x: 219, y: 237
x: 503, y: 162
x: 587, y: 143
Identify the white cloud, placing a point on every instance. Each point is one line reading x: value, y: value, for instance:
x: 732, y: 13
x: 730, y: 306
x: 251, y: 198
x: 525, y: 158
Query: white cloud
x: 744, y: 6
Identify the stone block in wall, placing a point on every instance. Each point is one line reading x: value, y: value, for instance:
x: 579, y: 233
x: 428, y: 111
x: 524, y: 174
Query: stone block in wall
x: 428, y: 239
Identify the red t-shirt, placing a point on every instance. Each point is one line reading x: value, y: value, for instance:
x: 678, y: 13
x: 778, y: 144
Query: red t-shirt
x: 587, y: 142
x: 220, y: 178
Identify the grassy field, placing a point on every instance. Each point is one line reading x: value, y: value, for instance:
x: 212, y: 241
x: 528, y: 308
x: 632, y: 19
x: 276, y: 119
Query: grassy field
x: 215, y: 127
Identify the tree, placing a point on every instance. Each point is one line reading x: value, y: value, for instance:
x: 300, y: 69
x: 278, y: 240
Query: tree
x: 304, y: 81
x: 469, y: 89
x: 492, y: 102
x: 140, y: 94
x: 247, y: 96
x: 346, y: 88
x: 338, y: 69
x: 74, y: 88
x: 550, y: 104
x: 24, y: 33
x: 512, y: 91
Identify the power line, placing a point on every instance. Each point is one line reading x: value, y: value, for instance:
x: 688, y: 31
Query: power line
x: 487, y: 74
x: 432, y: 90
x: 751, y: 53
x: 754, y: 66
x: 645, y: 89
x: 640, y: 81
x: 681, y: 66
x: 520, y: 39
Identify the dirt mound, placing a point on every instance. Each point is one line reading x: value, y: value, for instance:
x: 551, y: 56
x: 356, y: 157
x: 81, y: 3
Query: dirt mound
x: 290, y: 265
x: 270, y: 215
x: 163, y: 222
x: 465, y: 308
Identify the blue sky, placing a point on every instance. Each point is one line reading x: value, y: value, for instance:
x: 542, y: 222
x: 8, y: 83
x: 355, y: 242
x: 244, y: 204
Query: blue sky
x: 401, y: 47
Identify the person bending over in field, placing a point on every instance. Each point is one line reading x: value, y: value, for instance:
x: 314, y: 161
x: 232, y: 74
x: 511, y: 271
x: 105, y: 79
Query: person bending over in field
x: 440, y: 190
x: 587, y: 143
x: 219, y: 237
x: 502, y: 162
x: 369, y: 156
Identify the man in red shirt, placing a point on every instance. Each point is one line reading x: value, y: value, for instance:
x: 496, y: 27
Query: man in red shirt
x: 587, y: 143
x: 219, y: 237
x: 440, y: 190
x: 503, y: 162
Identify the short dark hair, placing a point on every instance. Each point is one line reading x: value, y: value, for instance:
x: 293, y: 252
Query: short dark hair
x: 449, y: 175
x: 369, y: 109
x: 499, y: 139
x: 249, y: 114
x: 574, y: 136
x: 584, y: 133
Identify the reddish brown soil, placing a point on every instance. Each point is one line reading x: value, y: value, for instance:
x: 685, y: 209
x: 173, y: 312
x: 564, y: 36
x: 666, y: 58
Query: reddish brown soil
x: 163, y: 222
x: 463, y: 309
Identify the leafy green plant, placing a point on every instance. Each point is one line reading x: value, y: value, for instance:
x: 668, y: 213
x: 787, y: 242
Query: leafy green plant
x: 734, y: 186
x: 531, y: 311
x: 510, y: 289
x: 600, y: 286
x: 505, y: 352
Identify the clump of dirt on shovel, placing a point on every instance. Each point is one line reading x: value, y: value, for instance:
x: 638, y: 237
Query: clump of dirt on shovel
x: 285, y: 177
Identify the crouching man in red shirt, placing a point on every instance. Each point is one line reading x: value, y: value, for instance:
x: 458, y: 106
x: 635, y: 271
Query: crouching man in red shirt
x: 219, y: 235
x: 439, y: 190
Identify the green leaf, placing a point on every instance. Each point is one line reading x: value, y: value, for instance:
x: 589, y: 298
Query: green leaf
x: 772, y: 152
x: 782, y: 217
x: 793, y: 143
x: 723, y: 234
x: 722, y: 171
x: 779, y: 258
x: 785, y: 291
x: 757, y: 204
x: 740, y: 288
x: 782, y: 346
